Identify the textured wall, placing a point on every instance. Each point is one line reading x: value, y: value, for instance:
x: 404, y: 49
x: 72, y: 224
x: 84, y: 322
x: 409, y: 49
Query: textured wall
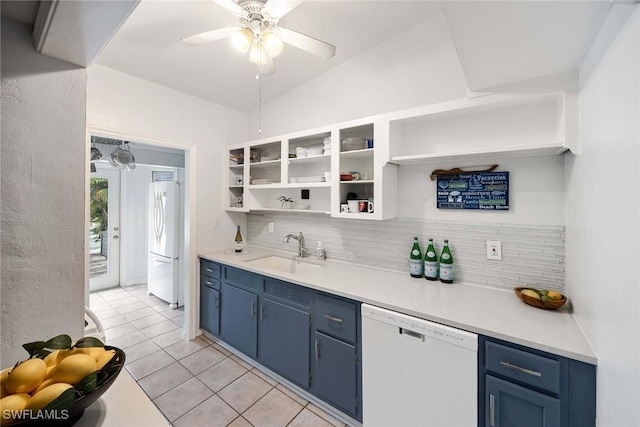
x: 605, y: 292
x: 532, y: 254
x: 42, y: 195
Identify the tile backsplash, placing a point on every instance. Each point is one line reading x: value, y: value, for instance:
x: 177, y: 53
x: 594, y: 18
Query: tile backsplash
x: 531, y: 254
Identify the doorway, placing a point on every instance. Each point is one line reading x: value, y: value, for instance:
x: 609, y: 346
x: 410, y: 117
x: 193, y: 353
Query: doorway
x: 104, y: 228
x: 149, y: 154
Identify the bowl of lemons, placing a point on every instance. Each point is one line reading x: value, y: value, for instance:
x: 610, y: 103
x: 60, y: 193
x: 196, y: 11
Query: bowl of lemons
x: 58, y: 381
x: 541, y: 298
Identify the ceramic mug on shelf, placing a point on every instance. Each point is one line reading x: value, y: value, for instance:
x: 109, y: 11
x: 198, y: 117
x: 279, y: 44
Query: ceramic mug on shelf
x: 353, y: 206
x: 365, y: 206
x: 344, y: 208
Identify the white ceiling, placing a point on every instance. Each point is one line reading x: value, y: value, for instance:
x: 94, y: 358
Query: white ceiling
x: 148, y: 45
x: 501, y: 42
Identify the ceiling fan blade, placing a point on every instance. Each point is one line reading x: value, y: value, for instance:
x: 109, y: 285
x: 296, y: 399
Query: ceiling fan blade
x: 230, y: 5
x: 209, y: 36
x: 308, y: 43
x: 267, y: 68
x: 279, y: 8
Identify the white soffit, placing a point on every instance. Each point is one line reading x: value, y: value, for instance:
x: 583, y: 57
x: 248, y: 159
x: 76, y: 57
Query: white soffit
x: 501, y: 42
x: 77, y: 31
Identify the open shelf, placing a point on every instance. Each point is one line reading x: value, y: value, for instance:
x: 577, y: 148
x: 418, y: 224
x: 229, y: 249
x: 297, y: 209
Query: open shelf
x: 359, y: 181
x: 493, y: 153
x: 266, y: 163
x: 310, y: 159
x: 365, y: 152
x: 291, y: 210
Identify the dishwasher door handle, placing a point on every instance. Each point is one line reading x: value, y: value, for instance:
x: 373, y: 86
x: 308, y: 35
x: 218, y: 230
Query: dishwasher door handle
x: 409, y: 333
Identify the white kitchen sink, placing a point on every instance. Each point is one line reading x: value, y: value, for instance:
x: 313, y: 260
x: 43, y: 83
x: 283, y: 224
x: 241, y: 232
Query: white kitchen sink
x: 284, y: 264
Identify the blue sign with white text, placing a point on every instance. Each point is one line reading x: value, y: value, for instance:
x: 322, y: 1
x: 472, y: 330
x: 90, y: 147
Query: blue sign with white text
x: 474, y: 190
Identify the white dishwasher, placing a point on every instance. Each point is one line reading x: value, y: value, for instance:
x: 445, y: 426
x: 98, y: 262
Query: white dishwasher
x: 416, y: 372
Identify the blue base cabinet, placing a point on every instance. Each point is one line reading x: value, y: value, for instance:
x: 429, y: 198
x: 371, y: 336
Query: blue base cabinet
x: 513, y: 405
x: 336, y: 373
x: 283, y: 340
x: 524, y: 387
x: 310, y: 338
x: 239, y: 320
x: 210, y: 297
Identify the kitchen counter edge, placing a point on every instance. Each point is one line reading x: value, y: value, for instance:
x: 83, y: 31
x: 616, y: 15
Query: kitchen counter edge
x: 483, y: 310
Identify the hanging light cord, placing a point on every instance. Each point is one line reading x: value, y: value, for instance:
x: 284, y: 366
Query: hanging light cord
x: 259, y: 82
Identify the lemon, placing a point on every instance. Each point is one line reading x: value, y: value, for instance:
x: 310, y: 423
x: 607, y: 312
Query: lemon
x: 10, y: 405
x: 555, y: 295
x: 46, y: 396
x: 530, y: 293
x: 26, y: 377
x: 104, y: 358
x: 52, y: 358
x: 74, y: 368
x: 43, y: 384
x: 50, y: 371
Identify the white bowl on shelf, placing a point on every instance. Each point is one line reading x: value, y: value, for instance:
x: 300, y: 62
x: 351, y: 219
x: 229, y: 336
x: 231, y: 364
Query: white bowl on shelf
x: 314, y: 151
x: 350, y: 144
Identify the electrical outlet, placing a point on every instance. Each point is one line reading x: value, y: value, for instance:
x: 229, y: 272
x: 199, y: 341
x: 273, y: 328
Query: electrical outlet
x: 494, y: 249
x: 272, y: 227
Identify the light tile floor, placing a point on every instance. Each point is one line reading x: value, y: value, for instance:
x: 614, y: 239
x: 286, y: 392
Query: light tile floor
x: 195, y: 383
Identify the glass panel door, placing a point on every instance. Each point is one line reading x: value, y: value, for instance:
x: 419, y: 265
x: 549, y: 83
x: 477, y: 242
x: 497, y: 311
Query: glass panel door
x: 104, y: 228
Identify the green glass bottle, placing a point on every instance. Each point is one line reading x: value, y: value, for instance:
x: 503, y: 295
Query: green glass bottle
x: 446, y: 264
x: 415, y: 259
x: 431, y: 262
x: 238, y: 244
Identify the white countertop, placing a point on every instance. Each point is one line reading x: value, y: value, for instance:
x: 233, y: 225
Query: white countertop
x: 124, y: 404
x: 483, y: 310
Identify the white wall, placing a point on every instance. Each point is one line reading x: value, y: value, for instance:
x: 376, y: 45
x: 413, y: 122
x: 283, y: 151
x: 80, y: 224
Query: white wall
x: 417, y: 67
x: 43, y: 188
x: 602, y: 214
x: 152, y: 112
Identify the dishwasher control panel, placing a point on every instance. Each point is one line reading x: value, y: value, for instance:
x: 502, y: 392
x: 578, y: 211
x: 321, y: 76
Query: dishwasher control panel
x: 420, y: 329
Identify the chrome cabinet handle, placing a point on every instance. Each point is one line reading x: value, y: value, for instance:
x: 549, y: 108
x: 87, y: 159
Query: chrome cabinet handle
x: 519, y: 369
x: 209, y: 283
x: 492, y: 403
x: 209, y: 270
x: 261, y: 311
x: 333, y: 319
x: 116, y: 237
x: 216, y: 302
x: 317, y: 349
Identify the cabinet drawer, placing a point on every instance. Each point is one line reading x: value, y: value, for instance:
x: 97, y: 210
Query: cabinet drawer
x: 527, y: 368
x: 210, y: 269
x: 336, y: 317
x: 287, y: 291
x: 243, y: 278
x: 209, y: 282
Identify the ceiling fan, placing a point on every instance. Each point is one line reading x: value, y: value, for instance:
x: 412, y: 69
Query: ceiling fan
x: 259, y: 32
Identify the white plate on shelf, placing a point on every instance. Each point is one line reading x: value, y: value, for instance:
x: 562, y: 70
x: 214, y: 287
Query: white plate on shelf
x: 261, y: 181
x: 305, y: 179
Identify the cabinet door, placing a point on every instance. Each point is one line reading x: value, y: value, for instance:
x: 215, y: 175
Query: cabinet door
x: 210, y: 310
x: 283, y: 342
x: 239, y: 320
x: 508, y: 405
x: 335, y: 373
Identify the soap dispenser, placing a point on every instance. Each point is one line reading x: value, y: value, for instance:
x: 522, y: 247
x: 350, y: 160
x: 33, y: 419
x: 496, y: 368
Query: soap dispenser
x: 320, y: 253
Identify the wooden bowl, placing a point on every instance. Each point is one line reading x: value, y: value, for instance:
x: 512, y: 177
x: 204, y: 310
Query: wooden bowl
x: 539, y: 303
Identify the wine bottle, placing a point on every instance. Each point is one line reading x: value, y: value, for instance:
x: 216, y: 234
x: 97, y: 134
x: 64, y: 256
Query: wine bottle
x: 415, y: 260
x: 430, y: 262
x: 446, y: 264
x: 238, y: 245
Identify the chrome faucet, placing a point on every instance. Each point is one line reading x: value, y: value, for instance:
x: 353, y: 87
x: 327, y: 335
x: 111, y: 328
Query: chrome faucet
x: 302, y: 251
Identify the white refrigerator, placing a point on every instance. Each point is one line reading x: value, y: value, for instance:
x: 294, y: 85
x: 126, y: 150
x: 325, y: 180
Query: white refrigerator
x: 164, y: 242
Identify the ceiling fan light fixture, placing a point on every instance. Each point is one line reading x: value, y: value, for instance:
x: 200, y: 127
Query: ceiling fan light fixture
x: 272, y: 44
x: 242, y: 39
x: 257, y: 53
